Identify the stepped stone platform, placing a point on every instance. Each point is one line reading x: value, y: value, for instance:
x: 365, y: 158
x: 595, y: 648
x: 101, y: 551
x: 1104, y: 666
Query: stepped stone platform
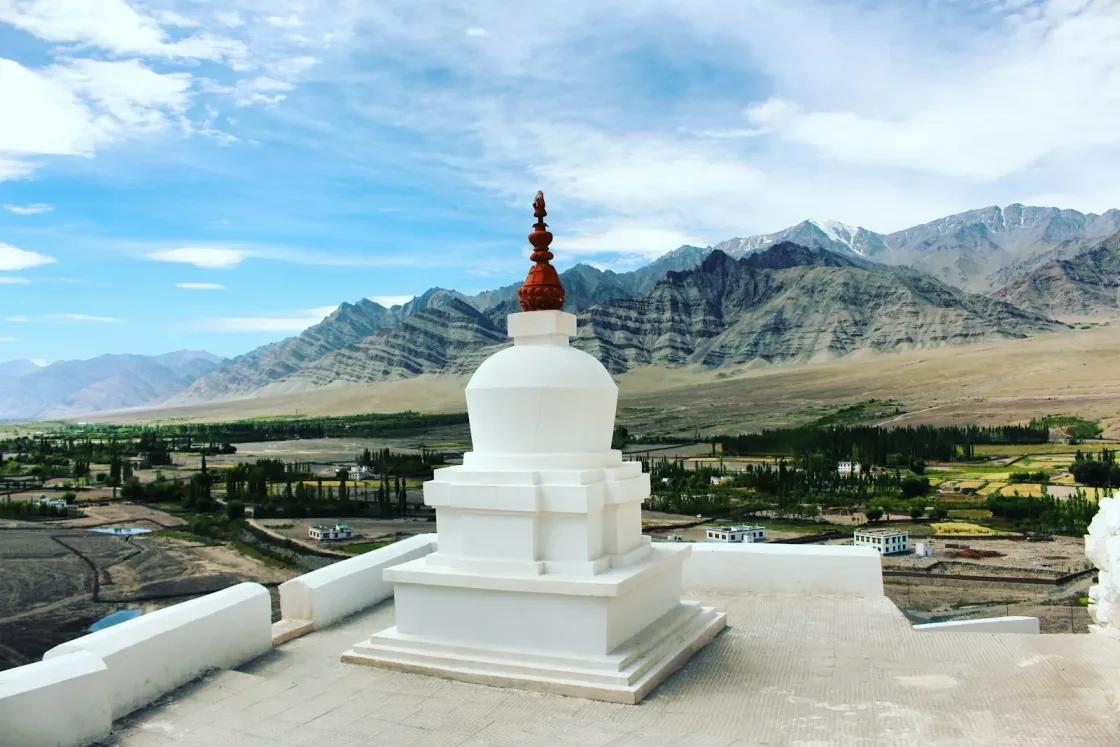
x: 800, y: 671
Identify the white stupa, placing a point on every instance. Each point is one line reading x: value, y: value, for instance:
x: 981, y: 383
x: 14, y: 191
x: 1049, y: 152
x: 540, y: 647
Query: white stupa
x: 542, y: 578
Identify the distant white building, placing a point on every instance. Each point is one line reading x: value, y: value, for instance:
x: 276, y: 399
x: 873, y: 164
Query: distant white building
x: 749, y: 535
x: 337, y: 532
x: 845, y: 469
x: 886, y: 541
x: 923, y: 549
x: 362, y: 473
x: 722, y: 479
x: 55, y: 503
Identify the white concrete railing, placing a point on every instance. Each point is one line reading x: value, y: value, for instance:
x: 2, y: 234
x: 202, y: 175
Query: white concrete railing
x: 317, y: 599
x: 829, y: 570
x: 1011, y: 624
x: 60, y: 702
x: 153, y: 654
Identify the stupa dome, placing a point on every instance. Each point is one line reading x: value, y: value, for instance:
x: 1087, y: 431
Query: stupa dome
x: 541, y: 396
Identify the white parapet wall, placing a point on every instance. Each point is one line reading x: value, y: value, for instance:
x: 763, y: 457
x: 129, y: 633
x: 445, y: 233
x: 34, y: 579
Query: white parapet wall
x: 1012, y: 624
x: 61, y: 702
x: 831, y: 570
x: 153, y: 654
x: 341, y: 589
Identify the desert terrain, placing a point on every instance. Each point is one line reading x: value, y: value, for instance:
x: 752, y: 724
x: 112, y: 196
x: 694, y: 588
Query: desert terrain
x: 984, y: 383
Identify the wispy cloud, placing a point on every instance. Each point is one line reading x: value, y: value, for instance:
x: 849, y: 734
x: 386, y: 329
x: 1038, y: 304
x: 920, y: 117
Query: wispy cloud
x: 85, y: 318
x: 16, y: 319
x: 282, y: 322
x: 40, y: 362
x: 200, y: 286
x: 8, y: 339
x: 11, y: 280
x: 226, y: 257
x: 206, y: 257
x: 12, y: 258
x: 39, y: 207
x: 391, y: 301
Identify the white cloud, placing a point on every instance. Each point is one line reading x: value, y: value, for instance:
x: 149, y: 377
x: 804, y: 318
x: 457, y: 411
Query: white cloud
x: 391, y: 301
x: 12, y: 258
x: 284, y: 22
x: 34, y: 209
x: 10, y: 280
x: 475, y: 31
x: 85, y: 318
x: 8, y: 339
x: 17, y: 319
x: 200, y: 286
x: 40, y: 362
x: 880, y: 114
x: 10, y: 168
x: 52, y: 120
x: 624, y: 237
x: 171, y: 18
x: 74, y: 107
x: 206, y: 257
x: 112, y: 25
x: 128, y: 97
x: 229, y: 18
x: 296, y: 322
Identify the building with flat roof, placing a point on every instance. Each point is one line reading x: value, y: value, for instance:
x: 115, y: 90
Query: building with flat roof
x: 736, y: 534
x: 886, y: 541
x: 336, y: 532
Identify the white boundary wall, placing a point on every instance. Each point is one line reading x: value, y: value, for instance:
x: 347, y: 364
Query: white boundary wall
x: 61, y: 702
x: 1012, y: 624
x: 826, y: 570
x: 153, y: 654
x: 348, y: 586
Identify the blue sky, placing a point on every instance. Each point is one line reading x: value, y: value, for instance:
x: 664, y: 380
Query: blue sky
x: 181, y: 174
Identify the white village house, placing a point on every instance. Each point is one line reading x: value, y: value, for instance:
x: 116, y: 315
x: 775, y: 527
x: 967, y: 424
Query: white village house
x: 846, y: 469
x: 736, y: 534
x: 885, y: 541
x: 337, y: 532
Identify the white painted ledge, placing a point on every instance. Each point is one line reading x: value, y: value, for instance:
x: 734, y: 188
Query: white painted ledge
x: 1012, y: 624
x: 61, y: 702
x: 827, y: 570
x: 348, y: 586
x: 153, y: 654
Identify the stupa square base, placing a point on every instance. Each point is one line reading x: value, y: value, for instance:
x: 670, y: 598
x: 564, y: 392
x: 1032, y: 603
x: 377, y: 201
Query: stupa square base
x: 626, y: 675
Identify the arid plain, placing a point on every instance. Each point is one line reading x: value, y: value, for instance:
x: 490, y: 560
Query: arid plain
x: 987, y: 382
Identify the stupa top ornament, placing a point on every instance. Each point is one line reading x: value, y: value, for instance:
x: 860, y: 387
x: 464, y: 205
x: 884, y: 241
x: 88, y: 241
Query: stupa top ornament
x: 542, y: 290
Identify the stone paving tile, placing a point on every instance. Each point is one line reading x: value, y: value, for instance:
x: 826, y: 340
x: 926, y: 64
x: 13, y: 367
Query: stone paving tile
x: 788, y: 671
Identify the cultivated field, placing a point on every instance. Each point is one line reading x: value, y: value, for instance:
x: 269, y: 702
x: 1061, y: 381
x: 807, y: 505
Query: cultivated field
x: 57, y: 579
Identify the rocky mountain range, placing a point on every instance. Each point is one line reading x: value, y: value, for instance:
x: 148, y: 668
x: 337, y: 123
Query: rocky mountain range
x: 1083, y: 287
x: 108, y: 382
x: 816, y: 290
x: 792, y: 303
x: 784, y: 303
x: 978, y: 251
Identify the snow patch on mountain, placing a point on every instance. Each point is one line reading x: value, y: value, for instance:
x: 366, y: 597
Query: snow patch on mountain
x: 837, y: 231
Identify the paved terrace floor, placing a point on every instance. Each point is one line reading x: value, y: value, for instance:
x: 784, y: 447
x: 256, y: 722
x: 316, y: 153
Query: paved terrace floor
x: 787, y: 671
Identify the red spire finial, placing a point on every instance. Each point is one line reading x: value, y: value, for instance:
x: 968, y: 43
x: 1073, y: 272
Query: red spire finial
x: 542, y: 290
